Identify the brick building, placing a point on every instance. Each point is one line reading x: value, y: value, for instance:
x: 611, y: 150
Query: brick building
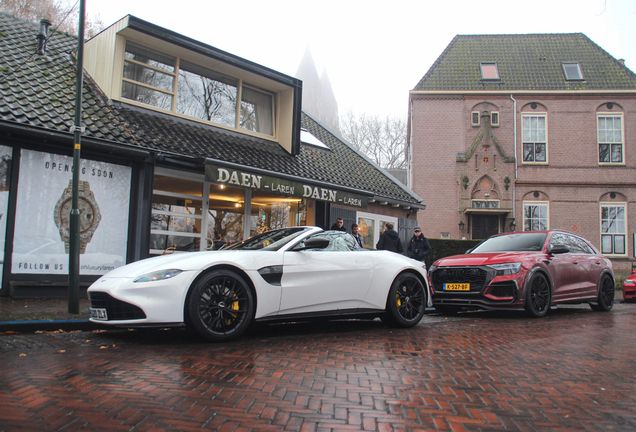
x: 526, y: 132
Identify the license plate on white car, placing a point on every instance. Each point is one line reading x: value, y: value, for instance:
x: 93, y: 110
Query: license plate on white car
x: 98, y: 314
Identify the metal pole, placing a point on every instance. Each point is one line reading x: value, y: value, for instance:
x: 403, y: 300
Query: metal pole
x: 74, y: 234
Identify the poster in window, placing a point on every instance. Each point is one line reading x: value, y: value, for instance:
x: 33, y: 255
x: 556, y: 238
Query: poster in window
x: 41, y: 242
x: 5, y: 178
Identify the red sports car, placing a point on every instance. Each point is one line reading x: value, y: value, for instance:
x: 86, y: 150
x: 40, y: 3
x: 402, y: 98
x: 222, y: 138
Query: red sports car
x: 629, y: 288
x: 526, y: 270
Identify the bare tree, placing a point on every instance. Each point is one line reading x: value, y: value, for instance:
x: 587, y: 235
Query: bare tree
x: 383, y: 140
x: 64, y: 14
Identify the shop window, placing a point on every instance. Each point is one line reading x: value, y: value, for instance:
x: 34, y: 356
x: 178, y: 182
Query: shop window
x: 176, y: 215
x: 372, y: 226
x: 272, y: 211
x: 225, y: 215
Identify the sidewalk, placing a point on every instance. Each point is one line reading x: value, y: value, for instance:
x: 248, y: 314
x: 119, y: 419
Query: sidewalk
x: 39, y: 314
x: 23, y: 314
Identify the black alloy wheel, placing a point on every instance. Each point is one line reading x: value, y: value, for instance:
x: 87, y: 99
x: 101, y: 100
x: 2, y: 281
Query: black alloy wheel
x: 406, y: 302
x: 537, y: 296
x: 220, y: 306
x: 606, y: 292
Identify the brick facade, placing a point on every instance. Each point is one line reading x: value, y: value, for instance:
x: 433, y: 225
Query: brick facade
x: 454, y: 162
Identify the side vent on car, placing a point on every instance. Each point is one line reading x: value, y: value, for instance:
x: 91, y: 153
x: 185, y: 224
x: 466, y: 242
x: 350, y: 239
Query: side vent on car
x: 272, y: 274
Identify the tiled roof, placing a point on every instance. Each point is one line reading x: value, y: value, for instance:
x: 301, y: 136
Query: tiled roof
x: 39, y: 92
x: 526, y: 62
x: 339, y: 165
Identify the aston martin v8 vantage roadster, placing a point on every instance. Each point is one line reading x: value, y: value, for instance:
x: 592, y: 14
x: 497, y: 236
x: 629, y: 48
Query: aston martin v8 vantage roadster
x: 281, y: 275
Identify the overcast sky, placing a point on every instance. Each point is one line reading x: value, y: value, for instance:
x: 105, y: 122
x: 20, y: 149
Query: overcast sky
x: 373, y: 52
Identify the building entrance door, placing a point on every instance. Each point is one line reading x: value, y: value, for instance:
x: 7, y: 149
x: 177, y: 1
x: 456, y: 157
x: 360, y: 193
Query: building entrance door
x: 485, y: 225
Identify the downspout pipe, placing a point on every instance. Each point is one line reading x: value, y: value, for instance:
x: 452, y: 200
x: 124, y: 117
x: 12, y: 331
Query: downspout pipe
x: 514, y: 185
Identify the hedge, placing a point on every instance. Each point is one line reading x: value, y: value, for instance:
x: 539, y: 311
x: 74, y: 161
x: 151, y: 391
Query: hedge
x: 443, y: 248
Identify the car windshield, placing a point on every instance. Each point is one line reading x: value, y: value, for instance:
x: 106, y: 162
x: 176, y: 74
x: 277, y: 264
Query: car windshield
x: 512, y: 243
x: 270, y: 240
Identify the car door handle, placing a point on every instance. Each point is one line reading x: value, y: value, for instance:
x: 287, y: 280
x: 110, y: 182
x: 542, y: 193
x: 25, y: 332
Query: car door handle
x: 575, y: 262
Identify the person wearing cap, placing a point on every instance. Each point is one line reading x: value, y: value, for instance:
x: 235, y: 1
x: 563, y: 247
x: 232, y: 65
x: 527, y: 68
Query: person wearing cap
x: 419, y: 246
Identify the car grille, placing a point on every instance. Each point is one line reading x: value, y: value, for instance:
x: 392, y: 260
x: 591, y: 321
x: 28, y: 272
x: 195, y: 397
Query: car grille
x: 475, y: 276
x: 117, y: 310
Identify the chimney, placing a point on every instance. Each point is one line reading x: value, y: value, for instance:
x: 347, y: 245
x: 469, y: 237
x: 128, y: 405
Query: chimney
x: 43, y: 35
x: 621, y: 61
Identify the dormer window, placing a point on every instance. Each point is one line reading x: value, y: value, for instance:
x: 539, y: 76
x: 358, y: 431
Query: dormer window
x: 489, y: 71
x: 149, y: 77
x: 572, y: 71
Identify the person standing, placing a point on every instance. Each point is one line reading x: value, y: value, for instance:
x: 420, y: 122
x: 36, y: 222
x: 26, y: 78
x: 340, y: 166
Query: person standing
x: 355, y: 232
x: 339, y: 225
x: 419, y: 246
x: 390, y: 240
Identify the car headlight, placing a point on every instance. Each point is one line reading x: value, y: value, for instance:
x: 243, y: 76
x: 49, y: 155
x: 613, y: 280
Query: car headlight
x: 506, y: 269
x: 629, y: 281
x: 158, y: 275
x: 431, y: 269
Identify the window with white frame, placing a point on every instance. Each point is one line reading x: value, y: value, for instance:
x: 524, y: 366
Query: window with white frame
x: 535, y: 138
x: 535, y: 216
x: 610, y: 138
x: 613, y: 229
x: 170, y: 83
x: 494, y: 118
x: 474, y: 118
x: 372, y: 226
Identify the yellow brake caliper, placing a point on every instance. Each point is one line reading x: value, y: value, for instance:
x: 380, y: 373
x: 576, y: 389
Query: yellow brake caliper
x: 234, y: 306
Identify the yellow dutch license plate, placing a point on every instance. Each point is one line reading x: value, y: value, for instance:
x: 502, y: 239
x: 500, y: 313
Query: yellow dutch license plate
x: 456, y: 287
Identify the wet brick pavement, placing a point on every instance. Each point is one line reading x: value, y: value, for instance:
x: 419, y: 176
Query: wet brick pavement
x: 573, y: 370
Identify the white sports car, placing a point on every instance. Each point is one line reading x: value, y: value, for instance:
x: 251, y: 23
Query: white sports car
x: 281, y: 275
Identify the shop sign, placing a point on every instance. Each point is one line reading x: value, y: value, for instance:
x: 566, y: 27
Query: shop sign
x: 244, y: 179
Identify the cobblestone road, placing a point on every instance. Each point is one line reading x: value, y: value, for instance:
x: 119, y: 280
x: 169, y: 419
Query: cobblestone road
x: 574, y: 370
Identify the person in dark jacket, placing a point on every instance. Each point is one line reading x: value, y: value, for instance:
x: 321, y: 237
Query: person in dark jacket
x: 355, y: 232
x: 390, y: 240
x: 339, y: 225
x: 419, y: 246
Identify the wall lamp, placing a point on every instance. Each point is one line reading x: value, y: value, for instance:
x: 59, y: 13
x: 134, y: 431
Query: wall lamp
x: 462, y: 225
x: 513, y: 225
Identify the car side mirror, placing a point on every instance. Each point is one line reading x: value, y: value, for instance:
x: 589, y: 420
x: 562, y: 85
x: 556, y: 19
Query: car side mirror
x: 558, y: 249
x: 313, y: 243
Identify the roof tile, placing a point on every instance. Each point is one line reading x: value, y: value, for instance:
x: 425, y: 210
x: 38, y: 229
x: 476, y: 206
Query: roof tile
x: 526, y: 62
